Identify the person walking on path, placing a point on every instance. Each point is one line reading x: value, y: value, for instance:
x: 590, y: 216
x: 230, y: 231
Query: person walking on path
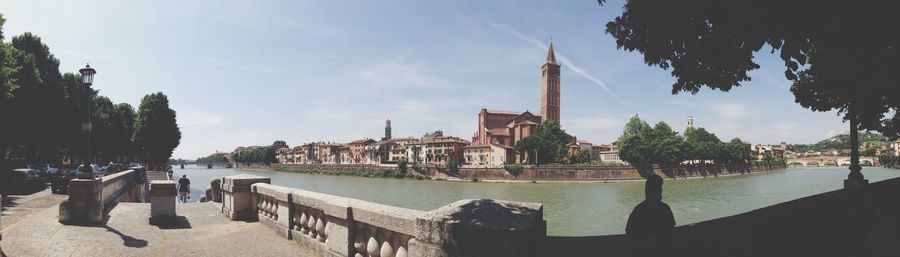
x: 650, y: 225
x: 184, y: 188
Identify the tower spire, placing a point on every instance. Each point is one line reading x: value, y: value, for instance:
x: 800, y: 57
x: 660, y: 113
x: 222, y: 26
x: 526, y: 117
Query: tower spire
x: 551, y: 57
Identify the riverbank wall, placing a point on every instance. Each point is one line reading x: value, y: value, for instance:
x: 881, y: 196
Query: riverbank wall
x: 545, y: 172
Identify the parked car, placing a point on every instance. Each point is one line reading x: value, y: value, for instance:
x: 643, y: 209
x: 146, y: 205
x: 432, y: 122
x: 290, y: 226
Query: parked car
x: 48, y: 169
x: 24, y: 180
x: 95, y: 169
x: 60, y: 183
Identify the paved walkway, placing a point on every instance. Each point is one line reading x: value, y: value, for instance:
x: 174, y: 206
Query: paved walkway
x: 18, y: 207
x: 202, y: 231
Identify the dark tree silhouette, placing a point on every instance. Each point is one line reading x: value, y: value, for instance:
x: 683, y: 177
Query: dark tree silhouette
x: 840, y: 56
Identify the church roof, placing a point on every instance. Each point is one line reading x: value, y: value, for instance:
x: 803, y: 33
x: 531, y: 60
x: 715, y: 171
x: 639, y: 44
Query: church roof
x: 502, y: 112
x: 551, y: 57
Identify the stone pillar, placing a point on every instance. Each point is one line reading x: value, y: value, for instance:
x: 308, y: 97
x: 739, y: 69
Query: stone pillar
x: 480, y: 228
x: 85, y: 203
x: 162, y: 201
x: 237, y: 202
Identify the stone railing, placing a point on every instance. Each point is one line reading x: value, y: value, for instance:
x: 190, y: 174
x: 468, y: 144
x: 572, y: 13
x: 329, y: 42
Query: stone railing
x: 339, y: 226
x: 116, y: 185
x: 90, y: 199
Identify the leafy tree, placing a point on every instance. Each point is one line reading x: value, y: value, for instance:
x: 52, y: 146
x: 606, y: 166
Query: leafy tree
x: 583, y: 156
x: 514, y: 170
x: 633, y: 146
x: 401, y: 166
x: 701, y: 145
x: 278, y: 144
x: 529, y: 148
x: 839, y: 57
x: 156, y: 130
x: 453, y: 166
x: 738, y: 151
x: 552, y: 142
x: 666, y: 145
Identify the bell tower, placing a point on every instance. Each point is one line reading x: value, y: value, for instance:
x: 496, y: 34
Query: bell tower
x: 550, y: 86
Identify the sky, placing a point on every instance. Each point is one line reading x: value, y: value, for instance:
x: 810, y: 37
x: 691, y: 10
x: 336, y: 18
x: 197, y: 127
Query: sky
x: 251, y: 72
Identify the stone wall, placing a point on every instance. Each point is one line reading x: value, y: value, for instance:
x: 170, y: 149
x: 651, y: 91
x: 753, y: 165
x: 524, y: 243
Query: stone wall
x: 549, y: 172
x: 600, y: 173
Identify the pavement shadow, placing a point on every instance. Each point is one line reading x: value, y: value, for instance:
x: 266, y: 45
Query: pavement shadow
x: 127, y: 240
x: 178, y: 222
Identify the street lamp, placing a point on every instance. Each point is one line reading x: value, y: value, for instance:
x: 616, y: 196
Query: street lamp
x: 87, y: 78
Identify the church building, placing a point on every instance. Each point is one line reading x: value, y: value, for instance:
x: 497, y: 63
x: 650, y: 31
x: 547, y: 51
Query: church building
x: 503, y: 129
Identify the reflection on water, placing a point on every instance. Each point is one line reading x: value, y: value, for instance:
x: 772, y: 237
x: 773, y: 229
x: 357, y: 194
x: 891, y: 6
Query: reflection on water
x: 572, y: 208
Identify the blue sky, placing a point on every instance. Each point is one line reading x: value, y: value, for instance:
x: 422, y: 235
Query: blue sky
x: 250, y: 72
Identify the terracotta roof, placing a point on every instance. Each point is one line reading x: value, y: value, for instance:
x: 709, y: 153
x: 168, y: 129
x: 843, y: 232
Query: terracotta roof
x: 486, y: 146
x: 503, y: 112
x: 362, y: 141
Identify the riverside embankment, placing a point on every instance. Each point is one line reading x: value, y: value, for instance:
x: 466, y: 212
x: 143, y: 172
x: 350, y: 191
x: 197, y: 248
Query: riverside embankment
x: 573, y: 209
x: 537, y: 173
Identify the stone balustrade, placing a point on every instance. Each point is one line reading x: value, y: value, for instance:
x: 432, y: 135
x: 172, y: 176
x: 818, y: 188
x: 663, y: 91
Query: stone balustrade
x: 340, y: 226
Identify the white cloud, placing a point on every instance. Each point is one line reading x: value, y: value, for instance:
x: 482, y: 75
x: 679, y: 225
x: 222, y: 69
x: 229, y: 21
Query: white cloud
x: 730, y: 110
x: 393, y: 74
x: 595, y: 123
x: 562, y: 58
x: 194, y: 117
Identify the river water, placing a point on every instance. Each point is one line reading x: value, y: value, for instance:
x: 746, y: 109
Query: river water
x: 573, y: 209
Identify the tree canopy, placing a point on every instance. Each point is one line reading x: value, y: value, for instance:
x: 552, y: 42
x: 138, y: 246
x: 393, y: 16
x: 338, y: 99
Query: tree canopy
x: 156, y: 130
x: 641, y: 145
x: 839, y: 56
x: 548, y: 143
x: 43, y: 108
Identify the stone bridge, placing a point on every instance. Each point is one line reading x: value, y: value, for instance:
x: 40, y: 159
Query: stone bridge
x: 822, y: 161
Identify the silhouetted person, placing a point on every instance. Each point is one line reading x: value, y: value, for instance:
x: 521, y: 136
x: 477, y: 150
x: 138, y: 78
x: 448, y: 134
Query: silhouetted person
x: 184, y: 188
x: 650, y: 225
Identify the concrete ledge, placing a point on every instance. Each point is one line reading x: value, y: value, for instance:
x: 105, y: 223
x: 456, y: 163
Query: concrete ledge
x: 280, y: 193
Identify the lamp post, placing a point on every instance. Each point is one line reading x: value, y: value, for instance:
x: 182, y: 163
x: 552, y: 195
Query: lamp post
x: 87, y: 79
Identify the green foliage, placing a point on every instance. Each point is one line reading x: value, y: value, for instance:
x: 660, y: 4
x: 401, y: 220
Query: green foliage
x: 514, y: 170
x: 712, y: 45
x: 263, y: 155
x: 548, y: 143
x: 840, y: 142
x: 583, y: 156
x: 46, y: 109
x: 278, y: 144
x: 401, y: 166
x: 453, y: 166
x: 212, y: 158
x: 156, y: 130
x: 640, y: 144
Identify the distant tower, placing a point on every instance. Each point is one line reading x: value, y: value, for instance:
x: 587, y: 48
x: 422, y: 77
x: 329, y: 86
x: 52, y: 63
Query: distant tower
x: 387, y: 130
x: 689, y: 122
x: 550, y: 87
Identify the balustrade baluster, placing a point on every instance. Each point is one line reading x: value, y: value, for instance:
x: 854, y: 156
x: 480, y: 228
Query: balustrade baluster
x: 303, y: 221
x: 372, y: 248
